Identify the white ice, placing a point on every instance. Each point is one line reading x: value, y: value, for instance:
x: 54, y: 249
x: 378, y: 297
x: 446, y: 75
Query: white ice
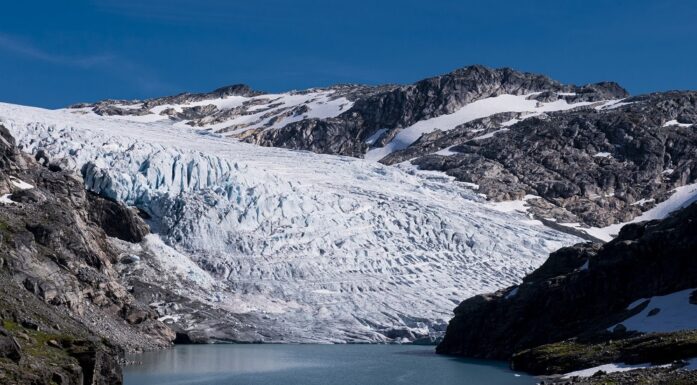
x: 279, y: 230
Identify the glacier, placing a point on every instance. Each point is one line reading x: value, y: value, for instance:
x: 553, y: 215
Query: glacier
x: 309, y: 247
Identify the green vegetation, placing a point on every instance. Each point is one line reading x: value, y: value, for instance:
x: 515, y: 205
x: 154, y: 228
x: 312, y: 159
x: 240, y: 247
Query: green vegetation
x: 10, y: 326
x: 570, y: 355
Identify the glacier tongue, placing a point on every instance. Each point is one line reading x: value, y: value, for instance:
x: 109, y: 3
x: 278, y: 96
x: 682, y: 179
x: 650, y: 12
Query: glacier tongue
x: 312, y: 247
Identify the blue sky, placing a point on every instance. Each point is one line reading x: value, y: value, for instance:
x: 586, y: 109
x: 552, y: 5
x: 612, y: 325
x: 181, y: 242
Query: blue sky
x: 54, y: 53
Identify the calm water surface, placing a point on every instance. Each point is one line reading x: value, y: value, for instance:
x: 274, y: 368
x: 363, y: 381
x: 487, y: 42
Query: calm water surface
x: 314, y: 364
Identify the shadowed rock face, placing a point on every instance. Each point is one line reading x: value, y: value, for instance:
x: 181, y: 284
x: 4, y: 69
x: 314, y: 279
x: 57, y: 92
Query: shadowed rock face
x: 61, y: 294
x: 116, y: 219
x: 579, y: 292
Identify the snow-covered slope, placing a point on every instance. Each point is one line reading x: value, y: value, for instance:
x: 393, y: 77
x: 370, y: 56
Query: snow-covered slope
x: 229, y: 115
x: 312, y: 247
x: 475, y: 110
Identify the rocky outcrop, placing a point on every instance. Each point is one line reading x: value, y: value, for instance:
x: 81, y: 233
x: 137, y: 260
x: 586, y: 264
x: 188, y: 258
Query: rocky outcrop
x: 659, y: 376
x: 565, y: 308
x: 393, y: 108
x: 116, y: 107
x: 45, y: 346
x: 66, y: 316
x: 589, y: 166
x: 116, y: 219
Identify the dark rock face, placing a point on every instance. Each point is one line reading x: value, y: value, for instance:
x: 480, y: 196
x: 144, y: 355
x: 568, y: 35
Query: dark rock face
x: 116, y: 219
x: 9, y: 348
x: 580, y: 291
x: 589, y: 166
x: 61, y: 293
x: 395, y: 107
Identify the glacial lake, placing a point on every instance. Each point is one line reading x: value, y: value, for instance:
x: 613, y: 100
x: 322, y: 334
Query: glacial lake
x: 314, y: 365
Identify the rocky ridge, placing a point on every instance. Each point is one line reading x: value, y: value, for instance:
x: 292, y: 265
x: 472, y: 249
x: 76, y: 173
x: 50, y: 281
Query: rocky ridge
x: 598, y: 157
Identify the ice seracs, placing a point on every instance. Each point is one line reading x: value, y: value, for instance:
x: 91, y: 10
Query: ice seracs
x: 311, y: 247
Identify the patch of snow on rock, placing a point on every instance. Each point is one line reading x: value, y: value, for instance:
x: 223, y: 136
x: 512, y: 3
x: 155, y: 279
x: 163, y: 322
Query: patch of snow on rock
x: 676, y: 123
x: 20, y: 184
x: 675, y: 312
x: 608, y: 368
x: 475, y: 110
x: 682, y: 197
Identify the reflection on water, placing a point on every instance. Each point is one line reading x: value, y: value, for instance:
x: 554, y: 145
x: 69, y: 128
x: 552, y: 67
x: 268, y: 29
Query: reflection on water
x: 313, y: 365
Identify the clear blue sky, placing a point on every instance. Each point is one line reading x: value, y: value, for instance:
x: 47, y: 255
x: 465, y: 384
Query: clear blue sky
x: 54, y: 53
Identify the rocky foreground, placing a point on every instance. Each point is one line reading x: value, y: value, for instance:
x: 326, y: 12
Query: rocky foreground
x: 65, y: 318
x: 671, y: 376
x: 591, y: 305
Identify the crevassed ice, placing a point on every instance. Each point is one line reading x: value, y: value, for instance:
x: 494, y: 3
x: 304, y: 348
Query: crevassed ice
x: 327, y: 248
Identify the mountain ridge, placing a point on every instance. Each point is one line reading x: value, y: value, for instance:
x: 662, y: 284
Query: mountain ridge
x: 428, y: 124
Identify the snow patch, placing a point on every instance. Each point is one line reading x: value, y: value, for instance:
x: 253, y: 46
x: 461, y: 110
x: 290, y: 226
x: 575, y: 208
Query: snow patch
x: 610, y: 368
x: 612, y: 104
x: 267, y: 111
x: 490, y: 134
x: 675, y: 313
x: 643, y: 201
x: 691, y: 364
x: 20, y: 184
x: 447, y: 151
x: 585, y: 265
x: 511, y: 206
x: 5, y: 199
x: 676, y: 123
x: 682, y: 197
x: 475, y: 110
x: 375, y: 137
